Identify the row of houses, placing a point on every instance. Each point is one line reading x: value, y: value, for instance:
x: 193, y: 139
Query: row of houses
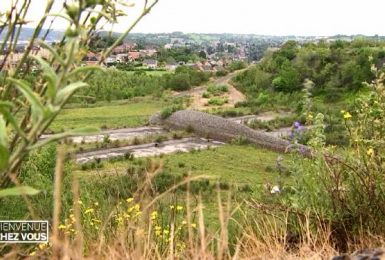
x: 126, y: 52
x: 12, y: 59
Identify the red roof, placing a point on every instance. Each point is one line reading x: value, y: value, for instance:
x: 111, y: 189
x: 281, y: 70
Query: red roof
x: 134, y: 55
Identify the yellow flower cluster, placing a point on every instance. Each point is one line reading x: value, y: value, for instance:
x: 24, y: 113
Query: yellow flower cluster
x: 89, y: 219
x: 178, y: 207
x: 161, y: 230
x: 128, y: 213
x: 40, y: 247
x: 68, y: 227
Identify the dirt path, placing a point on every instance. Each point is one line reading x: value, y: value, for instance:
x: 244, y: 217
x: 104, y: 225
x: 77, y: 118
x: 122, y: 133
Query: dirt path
x: 198, y: 102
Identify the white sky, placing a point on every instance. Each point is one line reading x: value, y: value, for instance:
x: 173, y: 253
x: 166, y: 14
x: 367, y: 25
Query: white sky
x: 269, y: 17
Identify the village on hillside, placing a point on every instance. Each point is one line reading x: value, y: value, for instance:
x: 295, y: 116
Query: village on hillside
x: 165, y: 52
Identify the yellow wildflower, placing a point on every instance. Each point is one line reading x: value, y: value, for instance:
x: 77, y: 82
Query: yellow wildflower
x: 370, y: 152
x: 154, y: 215
x: 193, y: 225
x: 179, y: 208
x: 347, y: 115
x: 129, y: 200
x: 43, y: 246
x: 96, y: 204
x: 62, y: 226
x: 158, y: 230
x: 172, y: 207
x: 90, y: 210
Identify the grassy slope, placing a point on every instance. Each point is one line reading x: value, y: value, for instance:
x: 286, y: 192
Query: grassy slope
x: 234, y: 164
x: 130, y: 114
x: 230, y: 163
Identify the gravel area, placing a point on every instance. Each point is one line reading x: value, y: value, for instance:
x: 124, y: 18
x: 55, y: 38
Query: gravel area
x: 116, y: 134
x: 151, y: 149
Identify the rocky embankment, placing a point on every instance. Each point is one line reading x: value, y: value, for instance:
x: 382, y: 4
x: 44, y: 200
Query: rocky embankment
x: 221, y: 129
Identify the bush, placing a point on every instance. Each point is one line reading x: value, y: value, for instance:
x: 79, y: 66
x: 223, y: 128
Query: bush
x: 216, y: 101
x: 185, y: 77
x: 217, y: 90
x: 180, y: 82
x: 221, y: 73
x: 237, y: 65
x: 168, y: 111
x: 206, y: 94
x: 349, y: 188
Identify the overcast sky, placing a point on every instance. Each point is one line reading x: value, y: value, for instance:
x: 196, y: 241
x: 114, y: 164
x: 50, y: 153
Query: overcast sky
x: 268, y: 17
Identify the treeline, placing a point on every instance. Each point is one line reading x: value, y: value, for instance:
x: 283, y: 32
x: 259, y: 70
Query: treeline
x: 114, y: 84
x: 335, y: 68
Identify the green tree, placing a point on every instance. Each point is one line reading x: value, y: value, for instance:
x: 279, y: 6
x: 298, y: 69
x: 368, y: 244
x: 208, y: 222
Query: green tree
x: 288, y: 79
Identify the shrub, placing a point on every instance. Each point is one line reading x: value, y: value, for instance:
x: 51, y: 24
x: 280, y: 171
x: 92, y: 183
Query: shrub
x: 221, y: 73
x: 180, y: 82
x: 346, y: 189
x: 237, y: 65
x: 217, y: 90
x: 216, y: 101
x: 168, y: 111
x: 206, y: 94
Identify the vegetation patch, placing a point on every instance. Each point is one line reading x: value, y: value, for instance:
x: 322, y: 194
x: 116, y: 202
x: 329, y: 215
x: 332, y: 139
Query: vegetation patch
x: 131, y: 114
x: 217, y: 101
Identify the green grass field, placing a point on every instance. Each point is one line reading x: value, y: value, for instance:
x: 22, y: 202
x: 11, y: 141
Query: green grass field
x: 129, y: 114
x: 233, y: 164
